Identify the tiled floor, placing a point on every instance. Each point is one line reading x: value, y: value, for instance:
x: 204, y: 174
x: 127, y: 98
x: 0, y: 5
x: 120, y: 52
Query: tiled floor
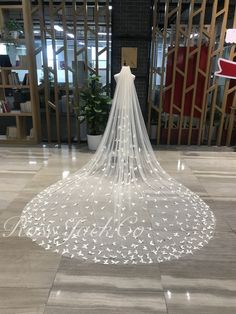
x: 36, y: 281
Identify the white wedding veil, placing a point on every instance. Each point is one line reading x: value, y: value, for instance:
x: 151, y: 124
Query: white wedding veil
x: 122, y: 207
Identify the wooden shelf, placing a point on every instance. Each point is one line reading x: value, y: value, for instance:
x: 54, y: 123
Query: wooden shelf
x: 16, y: 68
x: 15, y: 86
x: 7, y: 80
x: 15, y: 114
x: 20, y: 126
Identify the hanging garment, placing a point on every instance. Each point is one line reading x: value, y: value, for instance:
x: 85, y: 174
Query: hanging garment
x: 122, y: 207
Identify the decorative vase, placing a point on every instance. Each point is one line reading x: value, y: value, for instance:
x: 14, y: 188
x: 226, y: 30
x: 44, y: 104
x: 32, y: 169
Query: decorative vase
x: 93, y: 141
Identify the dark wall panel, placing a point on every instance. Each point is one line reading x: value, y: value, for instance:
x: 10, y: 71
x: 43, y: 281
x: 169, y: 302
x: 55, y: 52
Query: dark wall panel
x: 131, y: 27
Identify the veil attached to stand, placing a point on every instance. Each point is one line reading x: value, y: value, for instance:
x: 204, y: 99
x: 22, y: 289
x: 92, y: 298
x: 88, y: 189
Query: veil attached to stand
x: 122, y: 207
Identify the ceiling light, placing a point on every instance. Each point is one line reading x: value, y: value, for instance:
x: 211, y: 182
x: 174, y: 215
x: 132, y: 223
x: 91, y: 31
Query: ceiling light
x: 104, y: 41
x: 58, y: 28
x: 103, y: 33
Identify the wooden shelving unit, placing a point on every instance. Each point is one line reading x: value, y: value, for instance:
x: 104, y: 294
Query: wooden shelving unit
x: 23, y: 121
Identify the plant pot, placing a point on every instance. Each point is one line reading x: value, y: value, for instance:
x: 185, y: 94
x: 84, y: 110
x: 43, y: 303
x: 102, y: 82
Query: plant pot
x: 14, y: 34
x: 93, y: 141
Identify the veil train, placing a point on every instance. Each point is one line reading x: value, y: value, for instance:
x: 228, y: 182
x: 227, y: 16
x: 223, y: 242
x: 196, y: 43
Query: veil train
x: 122, y: 207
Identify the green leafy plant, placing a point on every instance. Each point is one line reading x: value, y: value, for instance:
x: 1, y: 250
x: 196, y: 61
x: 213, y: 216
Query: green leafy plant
x: 95, y: 106
x: 12, y: 25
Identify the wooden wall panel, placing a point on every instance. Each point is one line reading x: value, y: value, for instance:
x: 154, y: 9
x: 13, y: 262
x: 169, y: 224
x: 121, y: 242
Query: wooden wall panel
x: 191, y: 104
x: 77, y: 27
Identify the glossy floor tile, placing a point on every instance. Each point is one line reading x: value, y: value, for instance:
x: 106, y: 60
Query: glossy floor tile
x: 34, y: 281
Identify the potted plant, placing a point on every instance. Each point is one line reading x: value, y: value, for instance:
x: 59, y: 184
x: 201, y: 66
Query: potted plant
x: 94, y: 108
x: 14, y: 28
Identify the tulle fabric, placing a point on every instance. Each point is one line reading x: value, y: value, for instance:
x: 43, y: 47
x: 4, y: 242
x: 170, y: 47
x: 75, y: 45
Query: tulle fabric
x: 122, y: 207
